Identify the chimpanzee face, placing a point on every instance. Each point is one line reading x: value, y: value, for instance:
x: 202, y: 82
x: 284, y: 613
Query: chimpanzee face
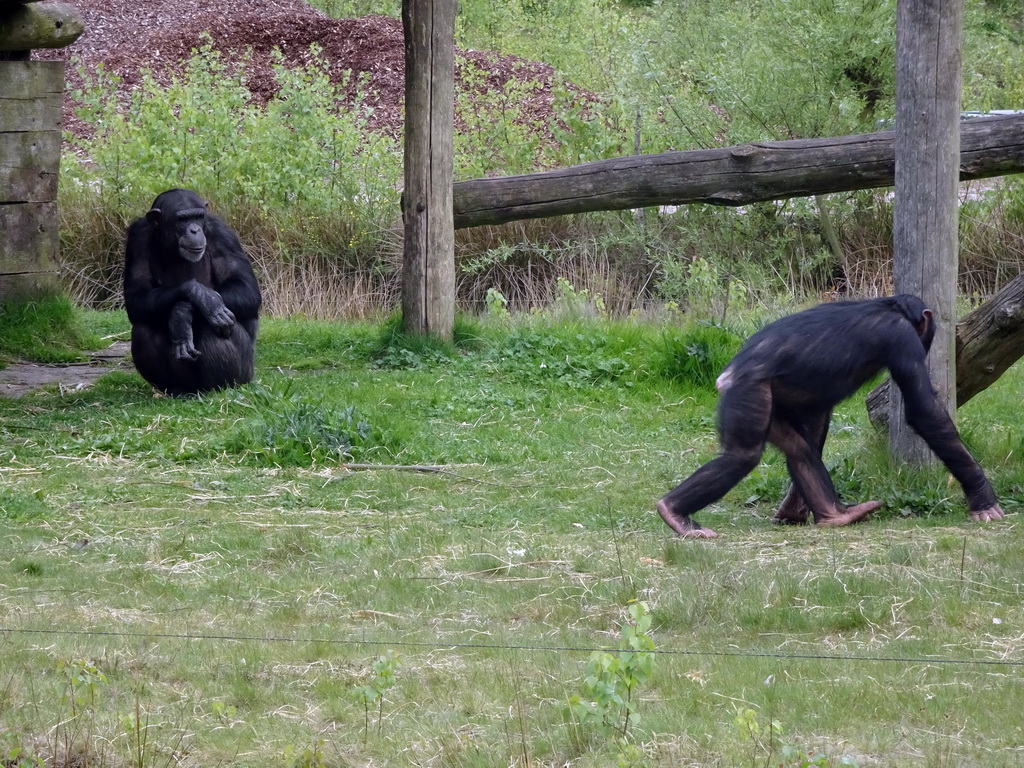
x: 190, y: 234
x: 180, y: 217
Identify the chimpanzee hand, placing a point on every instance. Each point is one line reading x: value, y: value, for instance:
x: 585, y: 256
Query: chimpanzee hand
x: 210, y: 303
x: 987, y: 515
x: 222, y: 320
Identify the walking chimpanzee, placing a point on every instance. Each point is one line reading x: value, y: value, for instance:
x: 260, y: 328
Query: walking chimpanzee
x: 191, y: 296
x: 781, y: 388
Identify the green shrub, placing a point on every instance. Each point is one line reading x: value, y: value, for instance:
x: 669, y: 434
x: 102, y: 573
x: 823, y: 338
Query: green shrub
x: 300, y: 178
x: 299, y: 153
x: 696, y: 355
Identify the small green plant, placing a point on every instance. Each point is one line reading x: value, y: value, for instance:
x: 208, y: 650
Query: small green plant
x: 760, y: 738
x: 610, y: 684
x: 383, y: 671
x: 630, y: 756
x: 765, y: 739
x: 84, y: 685
x: 701, y: 284
x: 14, y: 755
x: 136, y: 730
x: 795, y: 757
x: 697, y: 355
x: 304, y: 757
x: 22, y: 506
x: 574, y: 302
x: 85, y: 682
x: 225, y: 713
x: 497, y: 304
x: 289, y: 430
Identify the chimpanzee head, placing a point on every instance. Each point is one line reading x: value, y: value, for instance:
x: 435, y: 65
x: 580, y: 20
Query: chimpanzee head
x: 917, y: 313
x: 180, y: 217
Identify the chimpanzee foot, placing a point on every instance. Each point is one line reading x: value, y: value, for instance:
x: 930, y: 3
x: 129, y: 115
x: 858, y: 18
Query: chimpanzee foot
x: 792, y: 510
x: 847, y: 515
x: 684, y: 526
x: 987, y: 515
x: 788, y: 517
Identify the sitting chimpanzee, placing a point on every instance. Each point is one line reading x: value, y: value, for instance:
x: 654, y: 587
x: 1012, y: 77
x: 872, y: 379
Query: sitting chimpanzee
x: 781, y: 389
x: 191, y: 296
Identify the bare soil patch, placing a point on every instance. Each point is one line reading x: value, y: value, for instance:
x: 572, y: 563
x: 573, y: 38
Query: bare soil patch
x: 19, y: 379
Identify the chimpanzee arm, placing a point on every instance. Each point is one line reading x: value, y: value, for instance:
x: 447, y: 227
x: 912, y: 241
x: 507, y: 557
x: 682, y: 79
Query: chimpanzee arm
x: 233, y: 277
x: 146, y: 302
x: 180, y: 327
x: 932, y: 422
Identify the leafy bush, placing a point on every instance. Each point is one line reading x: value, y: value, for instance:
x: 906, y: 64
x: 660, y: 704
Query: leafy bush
x: 299, y: 178
x: 299, y: 153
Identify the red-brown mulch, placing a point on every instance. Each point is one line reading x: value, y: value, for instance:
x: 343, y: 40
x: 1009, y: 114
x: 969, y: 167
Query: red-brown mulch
x: 128, y: 36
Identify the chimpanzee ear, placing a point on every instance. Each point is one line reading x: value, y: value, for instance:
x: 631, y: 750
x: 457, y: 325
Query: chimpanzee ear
x: 924, y: 323
x: 153, y: 216
x: 925, y: 328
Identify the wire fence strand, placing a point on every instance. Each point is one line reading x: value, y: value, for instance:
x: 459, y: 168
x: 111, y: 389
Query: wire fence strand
x: 439, y: 645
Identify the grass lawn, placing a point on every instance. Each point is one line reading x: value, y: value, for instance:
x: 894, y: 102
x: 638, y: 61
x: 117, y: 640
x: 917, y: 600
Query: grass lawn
x: 234, y: 580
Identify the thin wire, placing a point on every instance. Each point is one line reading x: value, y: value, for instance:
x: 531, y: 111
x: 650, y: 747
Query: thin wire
x: 530, y: 648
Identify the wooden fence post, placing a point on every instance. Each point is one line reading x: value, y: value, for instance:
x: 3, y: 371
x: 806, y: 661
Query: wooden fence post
x: 925, y: 225
x: 31, y: 99
x: 428, y: 276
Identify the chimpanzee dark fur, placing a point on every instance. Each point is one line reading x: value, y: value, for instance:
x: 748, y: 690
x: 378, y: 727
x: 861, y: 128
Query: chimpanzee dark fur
x: 191, y: 296
x: 781, y: 388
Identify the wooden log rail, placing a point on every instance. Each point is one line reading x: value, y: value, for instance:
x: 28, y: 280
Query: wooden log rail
x: 739, y: 175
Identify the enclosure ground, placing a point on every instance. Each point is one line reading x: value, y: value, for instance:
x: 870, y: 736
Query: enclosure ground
x: 208, y: 581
